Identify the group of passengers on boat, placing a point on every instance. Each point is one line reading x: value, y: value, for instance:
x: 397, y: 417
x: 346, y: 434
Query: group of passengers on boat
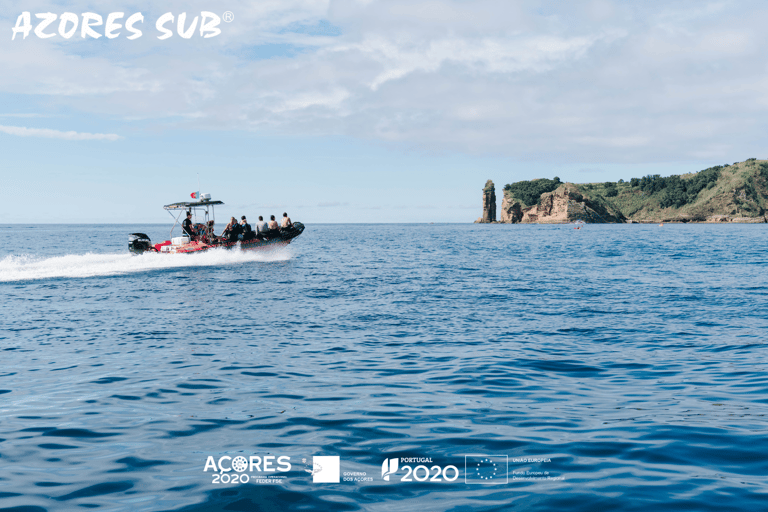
x: 235, y: 231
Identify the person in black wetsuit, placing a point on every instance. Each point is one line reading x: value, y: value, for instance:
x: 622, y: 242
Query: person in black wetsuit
x: 248, y: 233
x: 232, y: 231
x: 187, y: 228
x: 236, y: 230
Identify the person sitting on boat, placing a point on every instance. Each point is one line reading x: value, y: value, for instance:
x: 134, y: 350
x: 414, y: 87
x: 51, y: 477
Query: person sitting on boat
x: 286, y: 221
x: 187, y: 227
x: 237, y: 230
x: 248, y: 233
x: 228, y: 234
x: 261, y: 228
x: 209, y: 234
x: 274, y: 229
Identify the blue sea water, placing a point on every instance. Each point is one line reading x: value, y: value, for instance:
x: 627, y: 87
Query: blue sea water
x: 615, y: 367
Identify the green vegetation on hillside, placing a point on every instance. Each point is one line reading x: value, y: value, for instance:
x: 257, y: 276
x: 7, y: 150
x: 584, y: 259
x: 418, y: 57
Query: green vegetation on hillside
x: 675, y: 191
x: 529, y: 192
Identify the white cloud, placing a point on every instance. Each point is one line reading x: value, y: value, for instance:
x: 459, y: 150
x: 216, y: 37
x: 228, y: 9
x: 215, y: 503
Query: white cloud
x: 330, y: 99
x: 27, y: 115
x: 607, y: 80
x: 483, y: 55
x: 56, y: 134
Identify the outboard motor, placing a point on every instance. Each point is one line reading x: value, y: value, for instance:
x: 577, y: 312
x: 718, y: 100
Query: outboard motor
x: 139, y: 243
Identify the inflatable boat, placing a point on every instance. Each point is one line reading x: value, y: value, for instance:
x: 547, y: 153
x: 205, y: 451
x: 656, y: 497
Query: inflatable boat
x: 203, y: 238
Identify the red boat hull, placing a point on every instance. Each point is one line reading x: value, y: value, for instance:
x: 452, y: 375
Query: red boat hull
x: 139, y: 243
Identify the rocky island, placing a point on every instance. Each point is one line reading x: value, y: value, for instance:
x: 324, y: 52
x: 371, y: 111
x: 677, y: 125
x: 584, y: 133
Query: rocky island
x: 724, y: 193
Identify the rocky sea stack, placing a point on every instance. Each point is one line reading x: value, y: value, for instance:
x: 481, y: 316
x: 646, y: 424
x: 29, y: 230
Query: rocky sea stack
x: 489, y: 204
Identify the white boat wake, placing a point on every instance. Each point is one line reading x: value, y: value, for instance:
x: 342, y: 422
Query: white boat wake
x: 28, y: 268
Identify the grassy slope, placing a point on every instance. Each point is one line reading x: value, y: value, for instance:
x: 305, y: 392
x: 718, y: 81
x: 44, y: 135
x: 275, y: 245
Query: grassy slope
x: 740, y: 191
x: 605, y: 208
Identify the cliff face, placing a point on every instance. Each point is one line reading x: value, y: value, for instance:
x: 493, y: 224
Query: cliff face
x: 564, y: 204
x: 489, y: 204
x: 723, y: 193
x: 511, y: 210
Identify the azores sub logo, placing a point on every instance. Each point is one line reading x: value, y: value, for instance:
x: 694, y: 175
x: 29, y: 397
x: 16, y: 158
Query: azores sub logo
x: 388, y: 468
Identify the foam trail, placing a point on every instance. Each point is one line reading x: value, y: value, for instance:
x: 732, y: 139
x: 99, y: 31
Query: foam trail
x: 27, y: 268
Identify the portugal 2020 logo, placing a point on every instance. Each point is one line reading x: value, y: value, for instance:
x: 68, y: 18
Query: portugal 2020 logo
x: 388, y: 468
x: 425, y: 471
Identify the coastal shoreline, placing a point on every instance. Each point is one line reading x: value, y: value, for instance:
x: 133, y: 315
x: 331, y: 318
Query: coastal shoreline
x: 723, y: 194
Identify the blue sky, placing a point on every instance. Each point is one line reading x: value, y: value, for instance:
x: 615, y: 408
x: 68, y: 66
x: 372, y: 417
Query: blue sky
x: 370, y: 111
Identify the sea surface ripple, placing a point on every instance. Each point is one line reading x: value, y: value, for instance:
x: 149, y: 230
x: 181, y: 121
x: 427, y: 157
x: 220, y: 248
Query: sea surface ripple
x: 631, y: 359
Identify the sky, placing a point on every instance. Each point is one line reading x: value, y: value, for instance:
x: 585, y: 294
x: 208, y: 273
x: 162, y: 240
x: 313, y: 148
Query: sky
x: 366, y: 110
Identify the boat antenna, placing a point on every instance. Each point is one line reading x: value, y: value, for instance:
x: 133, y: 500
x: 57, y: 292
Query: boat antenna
x: 205, y: 217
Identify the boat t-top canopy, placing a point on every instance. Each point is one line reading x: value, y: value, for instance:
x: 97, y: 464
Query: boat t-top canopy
x: 190, y: 206
x: 185, y: 205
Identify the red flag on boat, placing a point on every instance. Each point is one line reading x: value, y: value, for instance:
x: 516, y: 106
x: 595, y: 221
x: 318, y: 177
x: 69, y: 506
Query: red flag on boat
x: 194, y: 195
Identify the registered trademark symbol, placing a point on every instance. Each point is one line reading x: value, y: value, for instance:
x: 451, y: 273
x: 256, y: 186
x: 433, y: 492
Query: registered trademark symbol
x: 229, y: 16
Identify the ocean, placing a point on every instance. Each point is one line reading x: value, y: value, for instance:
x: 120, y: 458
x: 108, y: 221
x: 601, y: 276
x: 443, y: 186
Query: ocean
x: 387, y: 368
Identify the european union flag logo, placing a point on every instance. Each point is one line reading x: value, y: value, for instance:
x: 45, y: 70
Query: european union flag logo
x: 486, y: 469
